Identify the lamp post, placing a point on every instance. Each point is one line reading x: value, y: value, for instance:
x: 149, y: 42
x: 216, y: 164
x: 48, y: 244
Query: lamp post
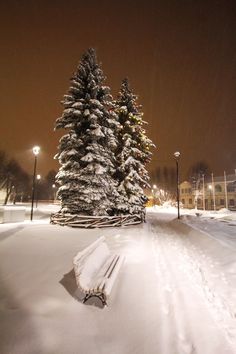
x: 176, y: 156
x: 211, y: 201
x: 203, y: 192
x: 38, y: 177
x: 35, y: 150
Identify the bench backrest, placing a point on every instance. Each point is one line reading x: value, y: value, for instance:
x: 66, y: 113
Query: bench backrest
x: 88, y: 262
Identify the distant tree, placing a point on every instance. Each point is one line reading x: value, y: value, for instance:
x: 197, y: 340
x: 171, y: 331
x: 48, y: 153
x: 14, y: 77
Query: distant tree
x: 172, y: 179
x: 13, y: 179
x: 16, y: 181
x: 165, y: 178
x: 51, y: 177
x: 196, y: 173
x: 45, y: 186
x: 3, y: 164
x: 133, y: 153
x: 22, y: 186
x: 163, y: 196
x: 10, y: 172
x: 156, y: 176
x: 86, y: 152
x: 198, y: 169
x: 50, y: 181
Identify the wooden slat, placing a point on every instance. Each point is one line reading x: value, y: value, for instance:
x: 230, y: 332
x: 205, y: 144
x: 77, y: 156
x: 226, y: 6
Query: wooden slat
x: 83, y: 221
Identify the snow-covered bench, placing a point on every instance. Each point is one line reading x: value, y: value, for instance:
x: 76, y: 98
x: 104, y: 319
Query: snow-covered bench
x: 96, y: 270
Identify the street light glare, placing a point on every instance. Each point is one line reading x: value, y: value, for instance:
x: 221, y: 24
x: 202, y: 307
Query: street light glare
x: 36, y: 150
x: 38, y: 177
x: 177, y: 154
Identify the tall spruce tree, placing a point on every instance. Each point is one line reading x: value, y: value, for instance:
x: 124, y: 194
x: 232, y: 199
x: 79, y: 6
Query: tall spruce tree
x: 86, y: 152
x: 133, y: 152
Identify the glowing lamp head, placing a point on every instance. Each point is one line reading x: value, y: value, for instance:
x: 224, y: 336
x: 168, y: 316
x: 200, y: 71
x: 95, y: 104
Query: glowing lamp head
x: 177, y: 154
x: 38, y: 177
x: 36, y: 150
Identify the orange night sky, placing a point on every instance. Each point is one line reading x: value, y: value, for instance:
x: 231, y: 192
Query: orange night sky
x: 180, y: 57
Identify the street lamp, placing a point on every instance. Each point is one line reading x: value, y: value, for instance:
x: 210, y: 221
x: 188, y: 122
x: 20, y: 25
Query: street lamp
x: 38, y: 177
x: 35, y: 150
x: 203, y: 192
x: 210, y: 188
x: 176, y: 156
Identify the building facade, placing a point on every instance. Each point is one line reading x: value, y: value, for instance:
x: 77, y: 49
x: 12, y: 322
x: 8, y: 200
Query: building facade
x: 212, y: 193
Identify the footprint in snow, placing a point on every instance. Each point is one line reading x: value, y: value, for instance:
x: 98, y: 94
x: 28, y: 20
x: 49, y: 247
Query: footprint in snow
x: 186, y: 346
x: 166, y: 310
x: 168, y: 288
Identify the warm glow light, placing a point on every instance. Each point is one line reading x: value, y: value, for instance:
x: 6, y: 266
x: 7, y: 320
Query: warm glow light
x: 53, y: 186
x: 36, y: 150
x: 38, y: 177
x: 177, y: 154
x: 210, y: 186
x: 154, y: 186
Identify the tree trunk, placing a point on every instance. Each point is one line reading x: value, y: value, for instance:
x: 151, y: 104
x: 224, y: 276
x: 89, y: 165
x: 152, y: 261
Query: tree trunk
x: 8, y: 190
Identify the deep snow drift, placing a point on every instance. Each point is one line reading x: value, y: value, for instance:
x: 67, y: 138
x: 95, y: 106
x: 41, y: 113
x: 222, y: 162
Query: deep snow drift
x: 175, y: 293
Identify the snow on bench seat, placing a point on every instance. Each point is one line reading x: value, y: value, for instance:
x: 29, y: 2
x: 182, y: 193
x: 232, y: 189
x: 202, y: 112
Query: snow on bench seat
x: 96, y: 270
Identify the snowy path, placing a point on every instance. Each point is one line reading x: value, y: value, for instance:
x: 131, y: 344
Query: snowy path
x: 175, y: 293
x: 188, y: 295
x: 220, y: 229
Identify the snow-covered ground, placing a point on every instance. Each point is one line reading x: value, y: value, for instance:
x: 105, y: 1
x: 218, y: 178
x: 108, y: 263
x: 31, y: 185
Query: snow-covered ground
x: 221, y: 225
x: 175, y: 293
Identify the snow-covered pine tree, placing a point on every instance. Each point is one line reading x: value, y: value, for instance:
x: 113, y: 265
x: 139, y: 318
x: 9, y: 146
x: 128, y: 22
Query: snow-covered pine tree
x: 86, y: 152
x: 133, y: 152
